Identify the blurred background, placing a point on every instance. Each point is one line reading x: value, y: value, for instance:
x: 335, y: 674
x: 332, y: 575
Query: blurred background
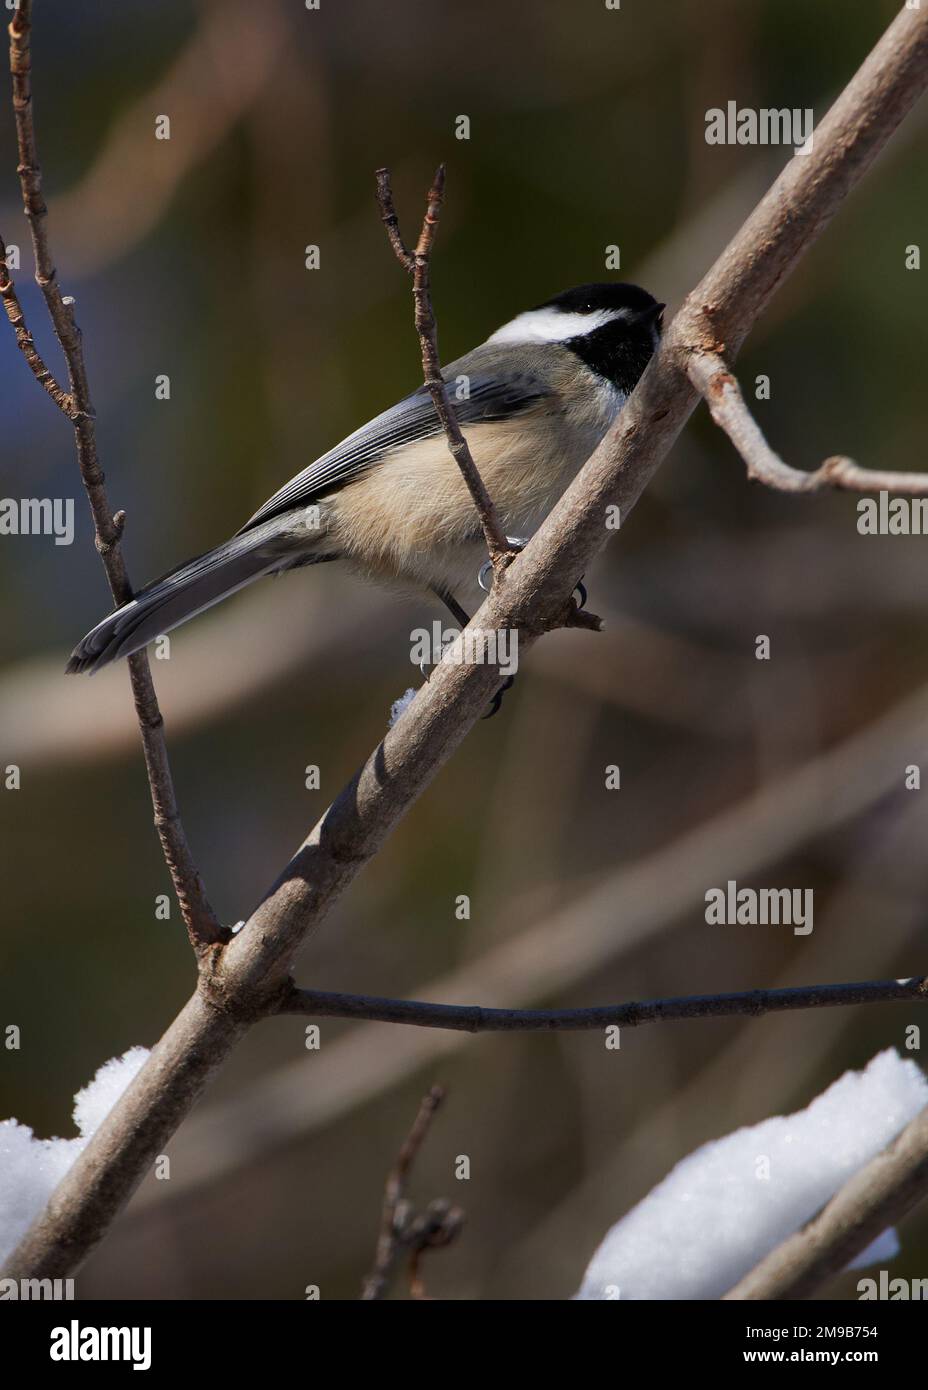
x: 186, y: 258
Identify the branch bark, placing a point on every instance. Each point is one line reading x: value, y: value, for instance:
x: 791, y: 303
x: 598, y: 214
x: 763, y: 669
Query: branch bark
x: 202, y: 925
x: 876, y: 1197
x: 247, y: 979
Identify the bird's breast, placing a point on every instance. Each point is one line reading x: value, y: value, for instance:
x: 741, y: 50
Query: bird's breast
x: 412, y: 516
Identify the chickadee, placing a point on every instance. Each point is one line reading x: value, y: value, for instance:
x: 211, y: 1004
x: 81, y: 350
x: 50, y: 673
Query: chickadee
x: 535, y: 399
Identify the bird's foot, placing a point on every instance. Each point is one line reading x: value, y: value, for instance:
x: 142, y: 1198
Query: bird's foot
x: 485, y: 573
x: 497, y: 700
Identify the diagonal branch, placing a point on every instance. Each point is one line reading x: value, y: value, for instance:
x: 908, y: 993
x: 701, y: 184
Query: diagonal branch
x: 473, y: 1018
x: 874, y: 1198
x: 728, y: 408
x: 417, y: 263
x: 252, y: 972
x: 202, y: 925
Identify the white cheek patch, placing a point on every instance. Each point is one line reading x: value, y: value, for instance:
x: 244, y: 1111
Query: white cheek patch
x: 552, y: 325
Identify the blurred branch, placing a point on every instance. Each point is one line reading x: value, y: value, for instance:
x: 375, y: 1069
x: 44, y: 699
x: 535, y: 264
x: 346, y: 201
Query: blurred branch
x: 215, y: 79
x: 876, y: 1197
x: 472, y: 1018
x: 57, y: 724
x: 728, y: 408
x: 246, y: 978
x: 202, y: 925
x: 287, y: 626
x: 417, y: 264
x: 400, y: 1230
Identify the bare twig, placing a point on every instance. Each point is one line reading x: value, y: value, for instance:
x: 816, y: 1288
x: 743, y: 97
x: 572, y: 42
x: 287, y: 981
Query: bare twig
x: 874, y: 1198
x: 400, y: 1230
x: 201, y: 922
x: 25, y: 341
x: 417, y: 263
x: 728, y: 408
x: 472, y: 1018
x: 253, y: 969
x: 391, y: 221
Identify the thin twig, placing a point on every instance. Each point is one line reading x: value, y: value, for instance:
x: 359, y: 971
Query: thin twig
x: 417, y: 263
x: 25, y: 341
x: 710, y: 375
x: 400, y: 1231
x: 877, y: 1196
x: 202, y: 925
x: 473, y: 1018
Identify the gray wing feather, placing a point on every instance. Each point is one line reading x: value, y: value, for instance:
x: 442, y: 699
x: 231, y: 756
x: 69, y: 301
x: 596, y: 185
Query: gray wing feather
x: 493, y: 396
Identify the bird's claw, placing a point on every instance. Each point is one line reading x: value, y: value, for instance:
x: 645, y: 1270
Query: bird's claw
x: 485, y: 573
x: 497, y: 700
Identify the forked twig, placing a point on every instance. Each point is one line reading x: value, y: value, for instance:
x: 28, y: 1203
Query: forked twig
x: 417, y: 263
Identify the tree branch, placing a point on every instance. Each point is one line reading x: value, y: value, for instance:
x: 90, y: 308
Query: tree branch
x: 402, y: 1232
x: 728, y: 408
x: 246, y: 979
x: 25, y: 341
x: 874, y: 1198
x: 202, y: 925
x: 473, y: 1018
x: 417, y: 263
x: 613, y: 917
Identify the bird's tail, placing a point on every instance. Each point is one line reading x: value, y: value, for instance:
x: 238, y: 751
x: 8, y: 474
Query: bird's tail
x: 183, y: 593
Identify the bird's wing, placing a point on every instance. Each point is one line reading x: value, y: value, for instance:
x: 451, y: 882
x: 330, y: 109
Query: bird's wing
x: 491, y: 396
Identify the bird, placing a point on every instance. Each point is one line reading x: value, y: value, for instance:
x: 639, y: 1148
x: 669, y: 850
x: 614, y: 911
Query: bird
x: 534, y: 400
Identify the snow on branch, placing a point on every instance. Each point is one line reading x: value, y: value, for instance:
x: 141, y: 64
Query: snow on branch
x: 726, y: 1206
